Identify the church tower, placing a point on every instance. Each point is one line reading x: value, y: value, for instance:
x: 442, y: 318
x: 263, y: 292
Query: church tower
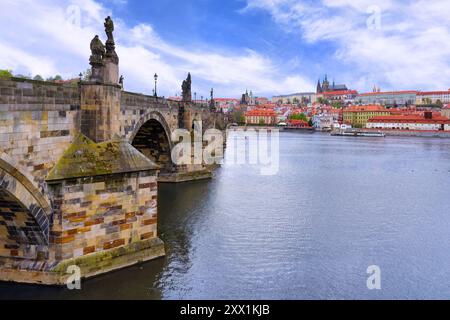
x: 326, y: 85
x: 319, y: 87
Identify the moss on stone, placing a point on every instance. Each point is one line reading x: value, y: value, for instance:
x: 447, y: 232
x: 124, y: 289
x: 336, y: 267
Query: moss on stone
x: 102, y: 259
x: 85, y: 158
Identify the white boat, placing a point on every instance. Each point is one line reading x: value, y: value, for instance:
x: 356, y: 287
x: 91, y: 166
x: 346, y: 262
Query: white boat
x: 371, y: 134
x: 359, y: 133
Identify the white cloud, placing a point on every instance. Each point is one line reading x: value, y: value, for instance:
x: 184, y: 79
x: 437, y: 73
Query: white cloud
x: 48, y: 37
x: 410, y: 50
x: 15, y: 58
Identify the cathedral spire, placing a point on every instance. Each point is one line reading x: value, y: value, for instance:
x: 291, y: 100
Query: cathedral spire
x: 319, y: 87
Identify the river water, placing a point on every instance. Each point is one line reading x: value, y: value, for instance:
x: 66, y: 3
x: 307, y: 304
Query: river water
x: 337, y: 206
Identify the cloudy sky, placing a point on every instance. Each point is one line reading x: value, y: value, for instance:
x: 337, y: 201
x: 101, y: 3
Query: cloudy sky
x: 268, y: 46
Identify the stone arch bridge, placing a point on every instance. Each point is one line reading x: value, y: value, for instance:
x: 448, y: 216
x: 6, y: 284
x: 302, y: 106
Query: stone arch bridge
x: 79, y: 171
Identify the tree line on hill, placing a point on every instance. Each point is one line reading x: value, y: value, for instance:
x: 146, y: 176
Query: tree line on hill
x: 9, y: 74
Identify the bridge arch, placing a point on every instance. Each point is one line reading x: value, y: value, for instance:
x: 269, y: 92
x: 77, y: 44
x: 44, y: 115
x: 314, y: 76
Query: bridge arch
x: 152, y: 137
x: 24, y: 213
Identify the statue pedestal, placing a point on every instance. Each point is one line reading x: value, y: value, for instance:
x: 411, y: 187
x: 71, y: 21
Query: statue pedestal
x: 110, y: 73
x: 97, y: 74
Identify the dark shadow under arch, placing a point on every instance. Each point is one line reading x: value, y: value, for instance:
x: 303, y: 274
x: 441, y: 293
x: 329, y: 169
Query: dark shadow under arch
x: 152, y: 140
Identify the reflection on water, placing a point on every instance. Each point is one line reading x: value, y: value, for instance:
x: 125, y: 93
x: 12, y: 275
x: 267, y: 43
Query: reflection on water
x: 337, y: 206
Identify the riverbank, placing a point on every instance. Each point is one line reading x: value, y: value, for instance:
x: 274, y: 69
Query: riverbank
x: 391, y: 133
x: 413, y: 133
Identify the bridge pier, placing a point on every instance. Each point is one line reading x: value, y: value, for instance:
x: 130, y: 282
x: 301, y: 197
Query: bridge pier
x: 105, y: 208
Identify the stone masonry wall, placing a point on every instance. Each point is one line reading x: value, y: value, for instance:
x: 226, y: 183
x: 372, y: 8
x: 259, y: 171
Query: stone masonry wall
x: 134, y: 108
x: 37, y: 123
x: 102, y: 213
x: 100, y: 110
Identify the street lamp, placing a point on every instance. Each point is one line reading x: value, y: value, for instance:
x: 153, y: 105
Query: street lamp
x: 195, y: 97
x: 156, y: 81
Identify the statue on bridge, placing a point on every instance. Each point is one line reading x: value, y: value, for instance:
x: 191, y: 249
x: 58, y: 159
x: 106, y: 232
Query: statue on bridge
x: 97, y: 52
x: 109, y: 28
x: 96, y: 60
x: 110, y: 44
x: 187, y: 89
x: 212, y: 103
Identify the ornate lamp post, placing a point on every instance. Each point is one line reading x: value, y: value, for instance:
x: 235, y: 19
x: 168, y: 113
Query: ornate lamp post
x: 156, y: 81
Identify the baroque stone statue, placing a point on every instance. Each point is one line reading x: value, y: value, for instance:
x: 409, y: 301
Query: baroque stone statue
x: 109, y: 28
x: 97, y: 52
x: 187, y: 89
x: 212, y: 103
x: 110, y: 44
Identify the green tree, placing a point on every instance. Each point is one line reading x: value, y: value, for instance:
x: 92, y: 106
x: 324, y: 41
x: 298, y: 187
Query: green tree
x: 439, y: 103
x: 6, y: 74
x: 311, y: 123
x: 22, y: 76
x: 337, y: 105
x: 55, y: 78
x: 262, y: 122
x: 322, y: 100
x: 38, y: 78
x: 238, y: 116
x: 299, y: 116
x: 427, y: 101
x: 87, y: 74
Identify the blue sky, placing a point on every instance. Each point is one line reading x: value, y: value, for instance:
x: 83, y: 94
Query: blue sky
x: 268, y: 46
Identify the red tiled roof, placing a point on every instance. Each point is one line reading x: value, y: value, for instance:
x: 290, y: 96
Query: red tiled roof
x: 410, y: 119
x: 427, y: 93
x: 389, y: 92
x: 340, y: 93
x: 226, y: 99
x: 298, y: 123
x: 370, y: 108
x: 261, y: 113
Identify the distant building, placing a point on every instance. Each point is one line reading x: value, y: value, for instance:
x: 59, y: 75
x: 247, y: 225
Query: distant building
x: 260, y: 101
x: 298, y: 124
x: 248, y: 98
x: 346, y: 96
x: 327, y: 87
x: 358, y: 116
x: 433, y: 97
x: 323, y: 122
x: 446, y: 111
x: 296, y: 98
x: 261, y: 116
x: 428, y: 122
x: 390, y: 99
x: 226, y: 104
x: 337, y: 114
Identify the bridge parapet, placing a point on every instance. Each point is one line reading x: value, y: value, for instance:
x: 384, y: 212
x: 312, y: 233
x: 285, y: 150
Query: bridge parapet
x: 29, y: 95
